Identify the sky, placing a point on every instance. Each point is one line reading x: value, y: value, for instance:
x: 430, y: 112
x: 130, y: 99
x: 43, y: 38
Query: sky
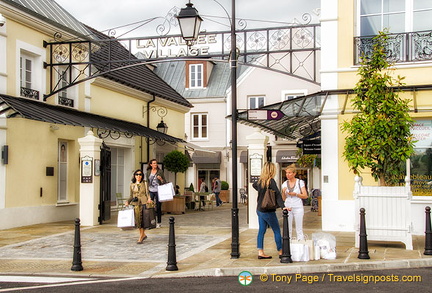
x: 130, y: 18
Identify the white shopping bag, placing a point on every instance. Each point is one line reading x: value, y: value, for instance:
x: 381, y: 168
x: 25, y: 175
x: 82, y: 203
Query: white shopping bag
x: 126, y: 218
x: 310, y: 244
x: 166, y: 192
x: 299, y: 251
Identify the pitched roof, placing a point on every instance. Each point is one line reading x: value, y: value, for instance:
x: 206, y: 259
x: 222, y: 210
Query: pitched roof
x: 138, y: 76
x: 50, y: 12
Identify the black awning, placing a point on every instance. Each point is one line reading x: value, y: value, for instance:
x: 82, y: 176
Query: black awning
x: 206, y: 157
x: 300, y: 117
x: 40, y: 111
x: 244, y: 157
x: 286, y: 156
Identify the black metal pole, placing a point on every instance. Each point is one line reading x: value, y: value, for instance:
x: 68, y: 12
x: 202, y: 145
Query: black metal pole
x: 172, y: 259
x: 235, y: 245
x: 76, y: 263
x: 286, y: 249
x: 428, y: 233
x: 363, y: 250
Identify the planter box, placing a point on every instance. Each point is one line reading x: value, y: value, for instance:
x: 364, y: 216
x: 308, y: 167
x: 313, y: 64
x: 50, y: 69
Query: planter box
x: 175, y: 206
x: 224, y: 195
x: 387, y: 212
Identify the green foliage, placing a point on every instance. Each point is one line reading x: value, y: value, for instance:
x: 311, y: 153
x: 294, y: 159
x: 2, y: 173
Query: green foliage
x: 307, y: 161
x: 176, y: 161
x: 191, y: 187
x: 379, y: 135
x: 224, y: 185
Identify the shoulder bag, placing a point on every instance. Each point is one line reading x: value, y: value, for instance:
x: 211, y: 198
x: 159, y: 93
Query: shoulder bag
x: 269, y: 200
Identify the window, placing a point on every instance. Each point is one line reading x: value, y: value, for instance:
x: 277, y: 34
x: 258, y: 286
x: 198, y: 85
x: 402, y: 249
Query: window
x: 26, y: 77
x: 196, y: 75
x: 118, y: 172
x: 63, y: 171
x: 63, y: 80
x: 256, y: 102
x: 292, y: 94
x: 199, y: 126
x: 395, y: 15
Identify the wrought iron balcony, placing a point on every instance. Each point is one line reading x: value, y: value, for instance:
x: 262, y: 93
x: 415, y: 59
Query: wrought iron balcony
x: 29, y: 93
x: 402, y: 47
x: 65, y: 102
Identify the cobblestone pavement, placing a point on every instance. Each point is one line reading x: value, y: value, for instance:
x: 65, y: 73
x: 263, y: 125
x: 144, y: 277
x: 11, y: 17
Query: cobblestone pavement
x: 203, y: 247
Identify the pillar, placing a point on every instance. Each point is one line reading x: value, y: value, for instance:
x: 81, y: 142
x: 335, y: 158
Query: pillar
x: 89, y: 184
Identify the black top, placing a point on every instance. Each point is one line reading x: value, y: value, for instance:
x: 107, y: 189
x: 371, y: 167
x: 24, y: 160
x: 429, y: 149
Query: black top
x: 261, y: 192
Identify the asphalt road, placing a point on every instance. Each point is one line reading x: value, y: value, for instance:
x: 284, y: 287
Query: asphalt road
x: 406, y: 280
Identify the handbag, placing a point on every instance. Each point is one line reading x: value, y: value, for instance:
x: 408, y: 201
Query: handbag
x: 149, y: 218
x: 166, y: 192
x: 269, y: 200
x: 126, y: 218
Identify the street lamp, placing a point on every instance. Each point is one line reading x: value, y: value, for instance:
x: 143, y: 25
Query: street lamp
x: 162, y: 127
x: 196, y: 19
x: 190, y: 23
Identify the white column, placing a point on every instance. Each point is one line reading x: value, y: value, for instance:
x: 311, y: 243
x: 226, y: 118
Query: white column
x: 257, y: 145
x: 89, y: 192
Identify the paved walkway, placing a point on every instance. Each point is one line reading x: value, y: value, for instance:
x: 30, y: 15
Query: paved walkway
x: 203, y: 247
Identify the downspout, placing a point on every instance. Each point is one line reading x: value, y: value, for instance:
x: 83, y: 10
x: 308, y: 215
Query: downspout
x: 148, y: 125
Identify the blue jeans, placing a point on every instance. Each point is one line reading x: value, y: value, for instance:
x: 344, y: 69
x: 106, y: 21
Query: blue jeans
x: 218, y: 200
x: 271, y: 220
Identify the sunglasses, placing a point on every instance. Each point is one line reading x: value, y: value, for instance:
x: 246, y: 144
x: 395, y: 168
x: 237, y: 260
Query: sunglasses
x: 138, y: 174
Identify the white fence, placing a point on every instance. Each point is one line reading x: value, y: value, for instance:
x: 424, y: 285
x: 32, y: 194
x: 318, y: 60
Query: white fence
x: 387, y: 212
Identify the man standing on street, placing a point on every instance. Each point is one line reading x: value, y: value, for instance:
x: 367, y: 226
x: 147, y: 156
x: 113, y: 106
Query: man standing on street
x: 216, y: 190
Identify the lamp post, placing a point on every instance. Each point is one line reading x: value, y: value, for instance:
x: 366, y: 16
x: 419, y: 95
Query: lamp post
x: 190, y: 22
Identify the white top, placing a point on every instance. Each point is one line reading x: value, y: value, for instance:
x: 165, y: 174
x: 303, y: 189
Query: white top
x: 291, y: 200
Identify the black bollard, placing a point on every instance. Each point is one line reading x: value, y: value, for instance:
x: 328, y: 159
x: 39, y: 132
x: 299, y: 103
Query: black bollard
x: 77, y: 264
x: 363, y: 250
x: 428, y: 233
x: 172, y: 260
x: 286, y: 250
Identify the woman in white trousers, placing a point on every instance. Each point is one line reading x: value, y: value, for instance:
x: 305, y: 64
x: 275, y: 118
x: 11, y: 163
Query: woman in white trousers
x: 293, y: 193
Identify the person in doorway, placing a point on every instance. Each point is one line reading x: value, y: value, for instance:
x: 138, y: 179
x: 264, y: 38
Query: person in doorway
x: 216, y: 190
x: 267, y: 217
x: 155, y: 177
x: 203, y: 189
x: 139, y: 197
x: 293, y: 193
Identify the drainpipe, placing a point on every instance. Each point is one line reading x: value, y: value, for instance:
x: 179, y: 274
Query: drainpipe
x: 148, y: 125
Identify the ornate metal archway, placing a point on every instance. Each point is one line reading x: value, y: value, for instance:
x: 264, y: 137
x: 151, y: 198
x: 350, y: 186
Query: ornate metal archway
x: 292, y: 50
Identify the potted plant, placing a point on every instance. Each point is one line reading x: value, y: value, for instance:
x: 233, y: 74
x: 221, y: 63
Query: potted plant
x: 224, y: 194
x: 175, y: 162
x: 379, y: 139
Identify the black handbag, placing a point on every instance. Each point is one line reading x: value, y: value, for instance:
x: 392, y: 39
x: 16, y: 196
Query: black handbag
x: 149, y: 218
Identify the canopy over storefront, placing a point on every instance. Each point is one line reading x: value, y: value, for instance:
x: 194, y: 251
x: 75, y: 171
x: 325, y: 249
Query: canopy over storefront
x: 34, y: 110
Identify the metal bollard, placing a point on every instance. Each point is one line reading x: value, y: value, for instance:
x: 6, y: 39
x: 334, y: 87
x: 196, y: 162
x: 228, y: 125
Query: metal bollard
x: 76, y: 263
x: 286, y: 250
x: 363, y: 249
x: 428, y: 233
x: 172, y: 259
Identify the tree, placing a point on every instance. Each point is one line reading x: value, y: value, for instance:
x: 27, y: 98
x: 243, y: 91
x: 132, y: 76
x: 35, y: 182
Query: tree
x: 175, y: 162
x: 379, y: 135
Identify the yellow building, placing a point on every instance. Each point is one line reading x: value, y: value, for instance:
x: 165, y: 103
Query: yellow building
x: 45, y: 109
x: 346, y: 27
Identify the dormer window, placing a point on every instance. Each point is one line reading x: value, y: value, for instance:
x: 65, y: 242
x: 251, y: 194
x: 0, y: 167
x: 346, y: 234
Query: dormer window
x: 195, y: 76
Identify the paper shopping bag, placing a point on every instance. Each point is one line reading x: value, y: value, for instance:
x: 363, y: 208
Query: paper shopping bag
x: 126, y: 218
x: 166, y: 192
x: 299, y: 252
